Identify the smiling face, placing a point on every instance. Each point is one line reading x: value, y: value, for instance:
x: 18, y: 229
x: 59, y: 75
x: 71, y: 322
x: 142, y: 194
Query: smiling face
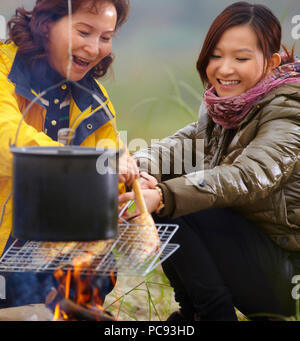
x: 92, y: 33
x: 237, y: 62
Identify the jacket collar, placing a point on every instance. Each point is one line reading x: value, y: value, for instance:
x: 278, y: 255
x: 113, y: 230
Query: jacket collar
x: 20, y: 76
x: 29, y: 82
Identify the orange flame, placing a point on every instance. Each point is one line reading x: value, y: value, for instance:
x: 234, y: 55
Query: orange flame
x: 56, y: 315
x: 68, y: 284
x: 85, y: 295
x: 112, y: 277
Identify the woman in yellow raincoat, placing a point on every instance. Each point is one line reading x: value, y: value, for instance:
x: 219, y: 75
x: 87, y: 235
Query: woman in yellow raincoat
x: 35, y: 58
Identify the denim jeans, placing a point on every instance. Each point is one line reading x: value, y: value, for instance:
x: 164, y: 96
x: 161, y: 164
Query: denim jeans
x: 225, y: 261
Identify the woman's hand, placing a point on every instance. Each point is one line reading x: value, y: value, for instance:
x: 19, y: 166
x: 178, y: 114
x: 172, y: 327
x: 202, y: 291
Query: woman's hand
x: 128, y: 169
x: 151, y: 197
x: 147, y: 181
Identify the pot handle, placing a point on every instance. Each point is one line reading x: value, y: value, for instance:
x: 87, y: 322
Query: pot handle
x: 38, y: 97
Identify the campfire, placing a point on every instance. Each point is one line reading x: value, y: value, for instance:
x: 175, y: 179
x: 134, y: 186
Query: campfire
x: 77, y: 296
x: 79, y: 266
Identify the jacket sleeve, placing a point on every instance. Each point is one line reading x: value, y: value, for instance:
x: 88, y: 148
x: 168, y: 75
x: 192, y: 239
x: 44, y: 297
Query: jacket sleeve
x: 176, y: 155
x: 10, y: 116
x: 165, y: 159
x: 262, y: 166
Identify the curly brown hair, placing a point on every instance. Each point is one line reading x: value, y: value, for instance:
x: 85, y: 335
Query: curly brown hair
x: 29, y: 29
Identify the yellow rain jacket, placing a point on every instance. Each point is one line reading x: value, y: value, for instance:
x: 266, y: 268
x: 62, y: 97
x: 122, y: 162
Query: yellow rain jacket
x: 17, y: 90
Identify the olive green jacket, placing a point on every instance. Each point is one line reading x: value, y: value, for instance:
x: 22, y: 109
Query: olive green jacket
x: 254, y: 169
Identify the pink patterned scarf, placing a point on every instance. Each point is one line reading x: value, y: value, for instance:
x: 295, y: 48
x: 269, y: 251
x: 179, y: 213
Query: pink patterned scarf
x: 230, y: 111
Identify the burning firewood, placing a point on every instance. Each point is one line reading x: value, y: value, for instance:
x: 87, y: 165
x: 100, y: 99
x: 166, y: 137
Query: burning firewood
x: 64, y: 308
x: 80, y: 313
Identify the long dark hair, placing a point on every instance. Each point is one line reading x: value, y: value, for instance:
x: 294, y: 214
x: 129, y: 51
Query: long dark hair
x: 260, y: 18
x: 29, y: 29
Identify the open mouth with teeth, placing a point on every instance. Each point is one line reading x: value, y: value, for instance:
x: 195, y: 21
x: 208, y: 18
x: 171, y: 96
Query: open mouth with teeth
x: 80, y: 62
x: 228, y: 83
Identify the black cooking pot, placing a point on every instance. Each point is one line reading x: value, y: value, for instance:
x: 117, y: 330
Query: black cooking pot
x: 64, y: 193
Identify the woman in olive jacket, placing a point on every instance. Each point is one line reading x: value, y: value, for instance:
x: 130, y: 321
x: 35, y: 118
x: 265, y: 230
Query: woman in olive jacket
x: 239, y: 215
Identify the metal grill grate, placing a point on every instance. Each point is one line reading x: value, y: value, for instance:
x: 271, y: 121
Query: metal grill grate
x: 125, y: 255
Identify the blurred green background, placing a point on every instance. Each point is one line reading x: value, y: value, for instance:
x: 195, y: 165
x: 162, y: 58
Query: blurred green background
x: 154, y: 86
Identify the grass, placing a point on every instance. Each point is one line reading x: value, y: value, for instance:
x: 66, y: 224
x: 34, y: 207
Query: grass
x: 144, y: 299
x: 147, y: 298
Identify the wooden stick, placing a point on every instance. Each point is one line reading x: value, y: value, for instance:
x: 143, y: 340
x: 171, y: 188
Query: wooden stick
x: 81, y: 313
x: 140, y: 201
x: 139, y: 197
x: 138, y: 193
